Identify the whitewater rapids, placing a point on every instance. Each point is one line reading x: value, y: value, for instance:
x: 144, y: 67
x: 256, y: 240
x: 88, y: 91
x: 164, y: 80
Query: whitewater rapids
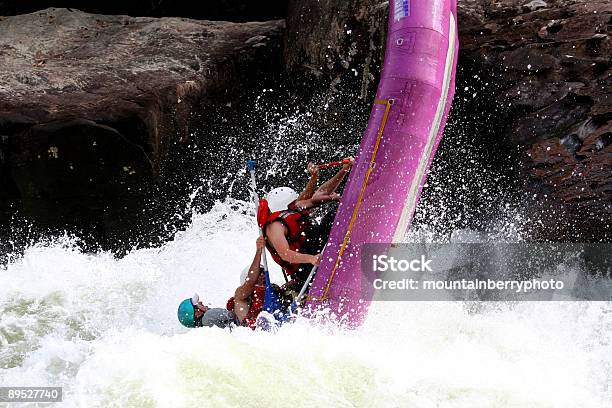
x: 106, y: 330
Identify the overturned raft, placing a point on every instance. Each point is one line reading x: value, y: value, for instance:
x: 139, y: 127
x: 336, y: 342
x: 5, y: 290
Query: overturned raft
x: 406, y: 124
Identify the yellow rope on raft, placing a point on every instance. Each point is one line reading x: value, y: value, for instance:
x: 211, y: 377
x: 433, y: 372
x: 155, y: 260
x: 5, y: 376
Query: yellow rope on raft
x: 387, y: 103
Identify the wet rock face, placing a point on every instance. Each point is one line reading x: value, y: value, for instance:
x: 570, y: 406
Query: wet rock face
x: 226, y: 10
x: 336, y: 43
x: 552, y: 63
x: 534, y: 81
x: 95, y: 111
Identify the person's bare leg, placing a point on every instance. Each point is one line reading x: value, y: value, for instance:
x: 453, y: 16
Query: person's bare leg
x: 332, y: 184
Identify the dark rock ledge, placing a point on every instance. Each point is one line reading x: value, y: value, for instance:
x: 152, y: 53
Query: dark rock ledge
x: 95, y: 109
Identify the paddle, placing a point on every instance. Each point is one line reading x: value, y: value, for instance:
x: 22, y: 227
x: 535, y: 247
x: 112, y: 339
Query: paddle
x: 272, y: 303
x: 334, y: 163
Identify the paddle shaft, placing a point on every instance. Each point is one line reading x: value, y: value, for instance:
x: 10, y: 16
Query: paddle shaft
x: 301, y: 294
x: 334, y: 163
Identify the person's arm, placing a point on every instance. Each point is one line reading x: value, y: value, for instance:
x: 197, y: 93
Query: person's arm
x: 246, y: 289
x: 317, y: 200
x: 276, y: 236
x: 309, y: 190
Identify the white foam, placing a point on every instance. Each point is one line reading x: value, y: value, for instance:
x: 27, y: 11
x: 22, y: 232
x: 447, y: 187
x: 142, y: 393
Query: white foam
x: 106, y: 330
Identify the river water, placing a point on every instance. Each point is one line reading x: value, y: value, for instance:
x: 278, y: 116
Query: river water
x: 105, y: 330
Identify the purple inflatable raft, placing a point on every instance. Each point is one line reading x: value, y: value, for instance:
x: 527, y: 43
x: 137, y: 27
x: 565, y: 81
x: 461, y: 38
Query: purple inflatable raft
x: 414, y: 96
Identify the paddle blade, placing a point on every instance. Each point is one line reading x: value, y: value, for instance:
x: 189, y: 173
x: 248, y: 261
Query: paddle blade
x: 262, y: 212
x: 272, y: 302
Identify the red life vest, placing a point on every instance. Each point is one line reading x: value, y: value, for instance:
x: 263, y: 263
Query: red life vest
x: 256, y: 306
x: 294, y: 221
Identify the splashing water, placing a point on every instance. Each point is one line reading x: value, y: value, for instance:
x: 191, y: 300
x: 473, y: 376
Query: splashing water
x: 105, y: 329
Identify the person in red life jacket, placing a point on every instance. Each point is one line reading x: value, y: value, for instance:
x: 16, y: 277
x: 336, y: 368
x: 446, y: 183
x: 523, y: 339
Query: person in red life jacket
x: 293, y: 240
x: 248, y: 299
x: 241, y: 310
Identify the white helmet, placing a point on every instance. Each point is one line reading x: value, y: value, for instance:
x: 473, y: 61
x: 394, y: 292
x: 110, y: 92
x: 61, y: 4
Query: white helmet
x: 280, y: 198
x: 245, y: 273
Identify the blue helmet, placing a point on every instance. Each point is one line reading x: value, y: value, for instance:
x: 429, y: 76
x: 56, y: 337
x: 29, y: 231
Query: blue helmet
x: 186, y: 313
